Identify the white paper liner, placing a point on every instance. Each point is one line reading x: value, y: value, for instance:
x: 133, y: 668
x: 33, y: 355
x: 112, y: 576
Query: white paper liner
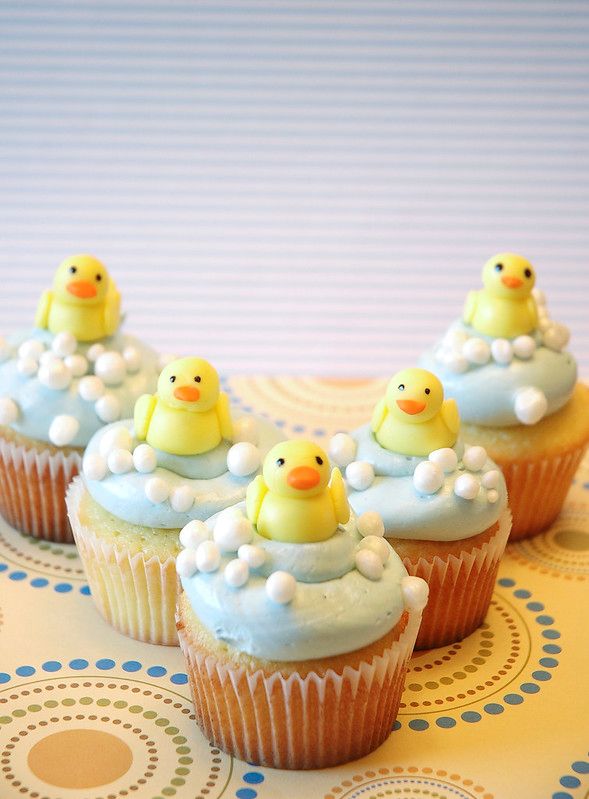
x: 135, y: 594
x: 299, y: 722
x: 32, y: 489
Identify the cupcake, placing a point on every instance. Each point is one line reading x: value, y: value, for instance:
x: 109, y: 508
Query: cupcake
x: 443, y: 505
x: 296, y: 629
x: 59, y: 383
x: 506, y: 365
x: 181, y: 458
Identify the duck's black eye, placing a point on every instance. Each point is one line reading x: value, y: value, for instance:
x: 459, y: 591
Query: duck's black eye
x: 197, y: 379
x: 280, y: 462
x: 73, y: 269
x: 98, y: 278
x: 172, y: 378
x: 499, y: 267
x: 528, y: 272
x: 319, y: 460
x: 427, y: 391
x: 401, y: 387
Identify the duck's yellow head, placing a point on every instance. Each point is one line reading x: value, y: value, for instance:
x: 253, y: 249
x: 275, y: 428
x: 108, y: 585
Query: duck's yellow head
x: 296, y: 469
x: 414, y: 395
x: 189, y: 383
x: 508, y: 275
x: 81, y: 280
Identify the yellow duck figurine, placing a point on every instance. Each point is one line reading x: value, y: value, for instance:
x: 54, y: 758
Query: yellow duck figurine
x: 84, y: 300
x: 413, y: 418
x: 188, y: 415
x: 505, y: 308
x: 294, y: 499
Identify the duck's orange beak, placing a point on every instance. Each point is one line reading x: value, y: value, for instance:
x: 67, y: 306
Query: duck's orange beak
x: 511, y: 281
x: 82, y: 288
x: 187, y: 393
x: 303, y: 477
x: 411, y: 406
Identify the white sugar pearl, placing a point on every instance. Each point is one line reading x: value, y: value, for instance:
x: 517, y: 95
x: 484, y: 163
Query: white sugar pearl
x: 27, y: 366
x: 544, y: 323
x: 31, y: 349
x: 182, y: 499
x: 95, y: 351
x: 456, y: 363
x: 94, y: 466
x: 369, y: 564
x: 156, y: 490
x: 378, y: 545
x: 5, y: 351
x: 370, y: 523
x: 502, y: 351
x: 48, y: 357
x: 492, y: 496
x: 466, y: 486
x: 132, y: 357
x: 360, y: 475
x: 165, y: 358
x: 476, y: 350
x: 63, y: 429
x: 281, y: 587
x: 243, y: 459
x: 194, y: 533
x: 186, y: 563
x: 445, y: 458
x: 236, y: 573
x: 246, y: 429
x: 120, y: 461
x: 442, y: 352
x: 8, y: 410
x: 428, y: 477
x: 55, y: 375
x: 415, y: 592
x: 64, y: 344
x: 254, y: 556
x: 108, y: 408
x: 539, y: 296
x: 117, y: 437
x: 491, y: 478
x: 208, y: 557
x: 557, y: 336
x: 91, y: 388
x: 77, y: 364
x: 474, y: 458
x: 144, y: 458
x: 111, y: 368
x: 342, y: 449
x: 524, y: 347
x: 530, y: 405
x: 232, y: 531
x: 454, y: 339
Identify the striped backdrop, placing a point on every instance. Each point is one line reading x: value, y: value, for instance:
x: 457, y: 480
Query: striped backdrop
x: 288, y: 187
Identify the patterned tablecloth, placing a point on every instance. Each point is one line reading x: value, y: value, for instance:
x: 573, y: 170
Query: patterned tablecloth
x: 85, y: 712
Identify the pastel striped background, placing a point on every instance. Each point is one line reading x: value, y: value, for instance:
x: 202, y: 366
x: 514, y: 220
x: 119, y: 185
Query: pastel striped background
x: 301, y: 187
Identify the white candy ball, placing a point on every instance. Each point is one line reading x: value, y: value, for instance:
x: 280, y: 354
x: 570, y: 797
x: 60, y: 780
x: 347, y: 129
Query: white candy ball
x: 474, y: 458
x: 64, y: 344
x: 182, y: 499
x: 117, y: 437
x: 108, y: 408
x: 467, y: 486
x: 539, y: 296
x: 236, y: 573
x: 5, y: 351
x: 456, y: 362
x: 428, y: 477
x: 156, y: 490
x: 27, y: 366
x: 524, y: 347
x: 502, y: 351
x: 94, y: 466
x: 194, y: 533
x: 281, y: 587
x: 132, y: 357
x: 111, y: 368
x: 445, y: 458
x: 31, y: 349
x: 243, y: 459
x: 377, y: 545
x: 530, y: 405
x: 95, y: 351
x: 455, y: 338
x: 55, y: 375
x: 63, y: 429
x: 544, y: 323
x: 492, y: 496
x: 360, y: 475
x: 208, y: 557
x: 8, y: 410
x: 415, y: 592
x: 254, y: 556
x: 49, y: 357
x: 557, y: 336
x: 246, y: 429
x: 232, y: 531
x: 342, y: 450
x: 370, y: 523
x: 120, y: 461
x: 186, y: 563
x: 491, y: 478
x: 476, y: 350
x: 77, y: 364
x: 91, y: 388
x: 144, y: 458
x: 369, y: 564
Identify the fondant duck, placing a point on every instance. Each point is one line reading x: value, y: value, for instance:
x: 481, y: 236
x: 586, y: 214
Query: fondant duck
x: 413, y: 418
x: 84, y: 300
x: 188, y: 415
x: 294, y: 499
x: 504, y: 308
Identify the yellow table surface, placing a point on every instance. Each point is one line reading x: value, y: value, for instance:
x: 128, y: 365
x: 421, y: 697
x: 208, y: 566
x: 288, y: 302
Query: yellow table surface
x: 86, y: 712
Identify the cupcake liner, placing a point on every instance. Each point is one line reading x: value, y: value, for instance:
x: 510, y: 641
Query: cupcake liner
x: 460, y: 588
x: 135, y: 594
x: 298, y: 722
x: 33, y: 483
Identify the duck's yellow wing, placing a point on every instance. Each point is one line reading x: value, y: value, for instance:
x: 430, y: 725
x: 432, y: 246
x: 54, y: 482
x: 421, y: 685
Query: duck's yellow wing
x: 378, y: 415
x: 112, y: 310
x: 224, y: 416
x: 533, y: 312
x: 43, y: 308
x: 256, y: 491
x: 144, y: 408
x: 470, y: 306
x: 337, y: 490
x: 450, y: 415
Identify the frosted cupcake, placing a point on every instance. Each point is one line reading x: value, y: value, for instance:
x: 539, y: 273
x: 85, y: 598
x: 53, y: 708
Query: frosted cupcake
x: 506, y: 365
x: 181, y: 458
x: 296, y: 629
x: 59, y: 383
x: 443, y: 506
